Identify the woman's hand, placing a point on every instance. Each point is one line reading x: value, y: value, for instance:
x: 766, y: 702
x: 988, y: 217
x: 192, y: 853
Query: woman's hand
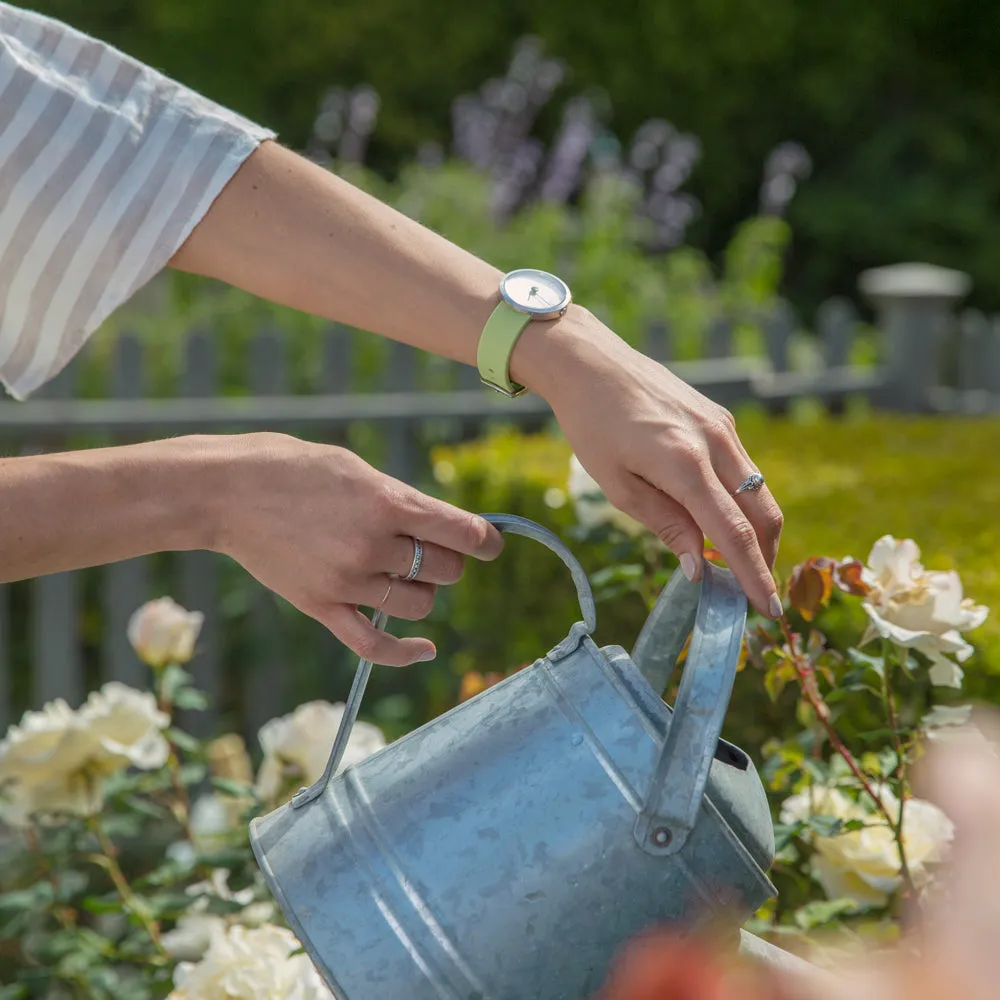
x: 325, y: 530
x: 661, y: 451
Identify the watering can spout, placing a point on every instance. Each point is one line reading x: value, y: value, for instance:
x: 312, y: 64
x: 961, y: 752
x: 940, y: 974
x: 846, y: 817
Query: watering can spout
x: 566, y: 804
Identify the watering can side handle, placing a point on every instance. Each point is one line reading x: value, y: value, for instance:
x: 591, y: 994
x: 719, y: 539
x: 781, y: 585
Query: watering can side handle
x: 666, y: 630
x: 673, y: 799
x: 503, y: 522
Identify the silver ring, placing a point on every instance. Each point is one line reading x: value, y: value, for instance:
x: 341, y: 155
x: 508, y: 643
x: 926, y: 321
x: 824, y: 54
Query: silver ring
x: 752, y: 483
x: 418, y: 558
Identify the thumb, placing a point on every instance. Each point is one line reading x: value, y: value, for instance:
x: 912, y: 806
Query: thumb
x: 670, y: 522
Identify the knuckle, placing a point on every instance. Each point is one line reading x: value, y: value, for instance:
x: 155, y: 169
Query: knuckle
x: 423, y: 600
x: 452, y: 567
x: 689, y: 458
x: 368, y: 645
x: 672, y: 534
x: 386, y: 500
x: 472, y: 530
x: 743, y: 536
x: 723, y: 420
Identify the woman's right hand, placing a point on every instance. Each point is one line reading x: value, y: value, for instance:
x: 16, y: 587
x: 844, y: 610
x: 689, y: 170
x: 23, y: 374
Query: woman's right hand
x: 322, y: 528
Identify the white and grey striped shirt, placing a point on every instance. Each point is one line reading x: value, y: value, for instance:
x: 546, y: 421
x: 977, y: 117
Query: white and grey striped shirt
x: 106, y: 166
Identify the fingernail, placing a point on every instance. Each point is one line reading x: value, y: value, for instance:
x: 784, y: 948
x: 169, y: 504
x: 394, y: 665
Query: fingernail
x: 775, y: 606
x: 688, y: 565
x: 428, y: 655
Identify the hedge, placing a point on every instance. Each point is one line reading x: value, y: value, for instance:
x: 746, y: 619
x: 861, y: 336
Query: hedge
x: 841, y: 484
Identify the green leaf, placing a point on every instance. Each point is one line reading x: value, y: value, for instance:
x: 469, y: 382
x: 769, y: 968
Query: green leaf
x: 237, y: 789
x: 785, y: 833
x: 39, y: 895
x: 823, y: 911
x: 184, y: 741
x: 99, y: 905
x: 825, y: 826
x: 14, y: 991
x: 146, y: 808
x: 863, y: 661
x: 191, y: 699
x: 193, y: 774
x: 173, y: 680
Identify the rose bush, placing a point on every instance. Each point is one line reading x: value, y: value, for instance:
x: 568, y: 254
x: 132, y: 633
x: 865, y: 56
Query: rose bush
x: 116, y: 884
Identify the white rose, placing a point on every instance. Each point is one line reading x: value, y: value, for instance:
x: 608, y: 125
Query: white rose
x: 127, y: 726
x: 919, y: 609
x: 864, y: 865
x: 592, y: 507
x: 250, y: 964
x: 297, y: 746
x: 55, y: 760
x: 163, y: 632
x: 191, y: 936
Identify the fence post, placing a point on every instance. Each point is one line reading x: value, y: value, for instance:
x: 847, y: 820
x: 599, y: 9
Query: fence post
x: 57, y: 660
x: 265, y: 681
x: 915, y: 309
x: 125, y: 583
x: 199, y: 570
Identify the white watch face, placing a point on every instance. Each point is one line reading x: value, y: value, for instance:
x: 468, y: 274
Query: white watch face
x: 535, y: 292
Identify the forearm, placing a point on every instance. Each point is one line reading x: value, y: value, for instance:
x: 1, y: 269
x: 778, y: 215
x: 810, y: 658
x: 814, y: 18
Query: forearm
x: 71, y: 510
x: 292, y: 232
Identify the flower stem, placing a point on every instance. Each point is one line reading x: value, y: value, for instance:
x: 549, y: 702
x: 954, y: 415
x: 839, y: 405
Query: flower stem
x: 890, y: 701
x: 181, y: 805
x: 822, y: 711
x: 108, y: 860
x: 62, y: 913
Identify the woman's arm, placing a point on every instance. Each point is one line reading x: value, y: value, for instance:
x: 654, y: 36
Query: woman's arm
x: 312, y: 522
x: 290, y: 231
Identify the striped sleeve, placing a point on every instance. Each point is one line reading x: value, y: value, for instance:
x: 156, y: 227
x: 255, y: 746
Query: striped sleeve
x: 106, y: 166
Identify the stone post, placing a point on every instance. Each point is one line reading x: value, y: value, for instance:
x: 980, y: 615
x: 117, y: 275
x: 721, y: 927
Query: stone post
x: 914, y: 304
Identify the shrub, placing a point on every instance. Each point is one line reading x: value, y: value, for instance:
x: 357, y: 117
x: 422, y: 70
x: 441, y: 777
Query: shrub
x: 841, y: 484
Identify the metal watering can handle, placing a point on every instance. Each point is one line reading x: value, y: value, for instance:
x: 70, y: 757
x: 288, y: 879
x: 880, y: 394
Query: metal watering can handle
x: 506, y: 523
x: 718, y: 609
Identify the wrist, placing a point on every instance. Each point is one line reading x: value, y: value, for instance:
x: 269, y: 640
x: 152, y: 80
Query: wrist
x: 550, y: 353
x: 189, y: 487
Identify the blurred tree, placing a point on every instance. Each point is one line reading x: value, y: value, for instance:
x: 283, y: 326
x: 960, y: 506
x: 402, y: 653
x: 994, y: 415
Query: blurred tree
x: 898, y: 104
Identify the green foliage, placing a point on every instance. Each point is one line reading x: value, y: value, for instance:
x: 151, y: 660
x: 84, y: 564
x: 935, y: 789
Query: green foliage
x: 899, y: 112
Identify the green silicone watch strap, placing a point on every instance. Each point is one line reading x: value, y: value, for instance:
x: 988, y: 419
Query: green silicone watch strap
x: 496, y: 344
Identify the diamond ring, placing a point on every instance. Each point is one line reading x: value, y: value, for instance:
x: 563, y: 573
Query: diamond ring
x: 418, y: 558
x: 752, y: 482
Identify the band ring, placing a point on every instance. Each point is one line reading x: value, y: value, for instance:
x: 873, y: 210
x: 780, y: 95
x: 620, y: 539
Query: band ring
x: 751, y: 484
x: 418, y: 559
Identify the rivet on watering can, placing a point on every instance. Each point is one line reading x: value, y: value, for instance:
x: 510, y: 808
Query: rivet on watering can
x: 662, y: 836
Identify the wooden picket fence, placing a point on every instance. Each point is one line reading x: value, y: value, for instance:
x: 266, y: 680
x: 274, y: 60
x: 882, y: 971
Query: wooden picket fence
x: 61, y: 635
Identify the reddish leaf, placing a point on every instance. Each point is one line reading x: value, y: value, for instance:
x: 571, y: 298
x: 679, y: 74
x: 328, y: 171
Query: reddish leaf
x: 848, y: 578
x: 712, y: 554
x: 811, y: 586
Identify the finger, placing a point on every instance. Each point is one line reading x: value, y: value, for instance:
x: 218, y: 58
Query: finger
x: 722, y: 519
x: 356, y: 632
x: 759, y: 506
x: 671, y: 523
x: 437, y: 565
x: 408, y: 599
x: 450, y: 527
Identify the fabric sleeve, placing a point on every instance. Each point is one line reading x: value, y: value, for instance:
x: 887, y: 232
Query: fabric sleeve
x: 106, y: 166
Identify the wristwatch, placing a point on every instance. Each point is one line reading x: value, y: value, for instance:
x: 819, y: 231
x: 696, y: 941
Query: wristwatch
x: 525, y: 295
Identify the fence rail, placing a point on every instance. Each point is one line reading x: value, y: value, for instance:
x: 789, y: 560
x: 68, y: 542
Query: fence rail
x: 62, y: 634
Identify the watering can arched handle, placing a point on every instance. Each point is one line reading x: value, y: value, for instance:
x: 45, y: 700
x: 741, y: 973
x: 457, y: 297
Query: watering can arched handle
x: 717, y: 609
x: 503, y: 522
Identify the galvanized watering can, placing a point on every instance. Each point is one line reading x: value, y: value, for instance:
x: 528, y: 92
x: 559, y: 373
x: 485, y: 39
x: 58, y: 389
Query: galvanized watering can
x: 509, y: 848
